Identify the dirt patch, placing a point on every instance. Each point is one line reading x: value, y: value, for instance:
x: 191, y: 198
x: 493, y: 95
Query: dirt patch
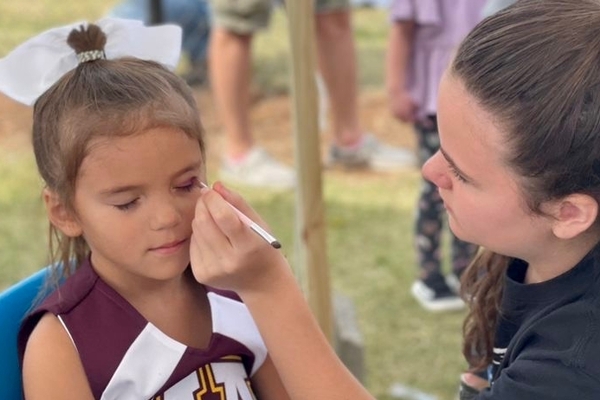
x: 270, y: 118
x: 15, y: 125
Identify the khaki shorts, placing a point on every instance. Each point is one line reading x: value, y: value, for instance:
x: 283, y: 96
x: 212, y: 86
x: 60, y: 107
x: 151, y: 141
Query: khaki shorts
x: 248, y: 16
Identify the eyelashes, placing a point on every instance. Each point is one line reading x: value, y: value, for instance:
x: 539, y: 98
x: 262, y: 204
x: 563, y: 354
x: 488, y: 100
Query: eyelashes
x: 188, y: 187
x: 457, y: 174
x: 193, y: 184
x: 127, y: 206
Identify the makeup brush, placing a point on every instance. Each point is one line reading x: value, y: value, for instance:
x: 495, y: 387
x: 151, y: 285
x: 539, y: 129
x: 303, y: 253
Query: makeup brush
x: 251, y: 224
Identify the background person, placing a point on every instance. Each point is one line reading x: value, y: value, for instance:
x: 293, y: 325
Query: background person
x: 422, y: 39
x: 244, y: 161
x: 193, y: 16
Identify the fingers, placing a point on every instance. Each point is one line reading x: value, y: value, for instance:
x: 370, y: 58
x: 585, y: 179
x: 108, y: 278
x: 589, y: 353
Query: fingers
x: 205, y: 224
x: 232, y: 222
x: 208, y: 238
x: 211, y: 249
x: 403, y: 107
x: 404, y: 113
x: 216, y: 220
x: 224, y: 252
x: 237, y: 201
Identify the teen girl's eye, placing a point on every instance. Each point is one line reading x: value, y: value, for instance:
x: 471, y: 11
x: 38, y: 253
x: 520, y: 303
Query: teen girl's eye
x: 456, y: 173
x: 127, y: 206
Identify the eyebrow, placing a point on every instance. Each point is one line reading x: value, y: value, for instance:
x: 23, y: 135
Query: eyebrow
x: 128, y: 188
x: 454, y: 166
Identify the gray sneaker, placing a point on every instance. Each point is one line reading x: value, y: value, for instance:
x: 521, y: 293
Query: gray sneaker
x: 259, y: 169
x: 371, y: 154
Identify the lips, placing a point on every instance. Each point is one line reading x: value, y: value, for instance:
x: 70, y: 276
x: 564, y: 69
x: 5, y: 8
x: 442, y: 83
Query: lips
x: 169, y: 248
x: 446, y: 206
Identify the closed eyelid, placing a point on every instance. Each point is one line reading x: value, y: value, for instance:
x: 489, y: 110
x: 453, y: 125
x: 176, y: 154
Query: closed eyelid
x: 453, y: 164
x: 128, y: 205
x: 459, y: 173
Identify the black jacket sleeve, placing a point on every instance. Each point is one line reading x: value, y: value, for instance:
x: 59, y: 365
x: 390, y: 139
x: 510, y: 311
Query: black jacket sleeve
x: 537, y: 379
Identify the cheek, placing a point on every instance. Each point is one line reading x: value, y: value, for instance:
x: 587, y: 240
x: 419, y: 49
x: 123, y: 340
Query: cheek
x: 469, y: 222
x: 436, y: 172
x: 484, y: 220
x: 190, y: 208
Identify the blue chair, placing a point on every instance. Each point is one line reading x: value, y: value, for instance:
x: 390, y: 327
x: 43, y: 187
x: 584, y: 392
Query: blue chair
x: 15, y: 302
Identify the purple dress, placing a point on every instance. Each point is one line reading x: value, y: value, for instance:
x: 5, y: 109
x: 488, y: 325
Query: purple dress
x: 440, y: 25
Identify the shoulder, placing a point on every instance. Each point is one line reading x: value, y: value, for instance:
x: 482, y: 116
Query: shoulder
x: 49, y: 329
x: 63, y: 299
x: 569, y: 335
x: 50, y: 345
x: 70, y: 293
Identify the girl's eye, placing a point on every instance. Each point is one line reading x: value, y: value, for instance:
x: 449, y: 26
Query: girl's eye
x: 127, y: 206
x: 188, y: 187
x: 456, y: 173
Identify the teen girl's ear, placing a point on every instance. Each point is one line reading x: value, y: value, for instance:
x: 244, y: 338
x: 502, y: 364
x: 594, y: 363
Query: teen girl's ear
x: 60, y: 216
x: 574, y: 214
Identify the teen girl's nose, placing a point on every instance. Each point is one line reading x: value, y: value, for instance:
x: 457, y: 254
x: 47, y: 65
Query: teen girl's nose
x: 165, y: 214
x: 435, y: 170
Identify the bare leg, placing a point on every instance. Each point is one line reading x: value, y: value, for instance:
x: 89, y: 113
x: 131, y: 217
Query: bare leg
x: 230, y: 74
x: 230, y: 68
x: 337, y: 63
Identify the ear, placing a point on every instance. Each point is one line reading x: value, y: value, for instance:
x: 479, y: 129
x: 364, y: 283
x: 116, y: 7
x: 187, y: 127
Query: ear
x: 60, y: 216
x: 574, y: 214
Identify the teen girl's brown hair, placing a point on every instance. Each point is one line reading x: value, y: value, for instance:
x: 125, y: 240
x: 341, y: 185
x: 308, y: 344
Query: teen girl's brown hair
x: 536, y: 67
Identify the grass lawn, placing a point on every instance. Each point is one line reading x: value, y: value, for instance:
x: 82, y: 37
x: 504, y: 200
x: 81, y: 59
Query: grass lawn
x: 369, y: 216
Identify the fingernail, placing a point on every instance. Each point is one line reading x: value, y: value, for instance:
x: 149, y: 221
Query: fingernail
x: 222, y: 187
x: 203, y: 187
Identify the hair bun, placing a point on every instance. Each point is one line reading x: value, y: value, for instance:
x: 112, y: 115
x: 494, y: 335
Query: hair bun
x: 87, y: 41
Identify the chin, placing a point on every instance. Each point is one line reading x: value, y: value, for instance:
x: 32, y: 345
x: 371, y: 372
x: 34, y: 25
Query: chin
x: 165, y: 270
x: 462, y: 235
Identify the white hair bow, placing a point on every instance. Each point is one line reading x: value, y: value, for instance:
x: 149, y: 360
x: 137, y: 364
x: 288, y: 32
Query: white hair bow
x: 30, y: 69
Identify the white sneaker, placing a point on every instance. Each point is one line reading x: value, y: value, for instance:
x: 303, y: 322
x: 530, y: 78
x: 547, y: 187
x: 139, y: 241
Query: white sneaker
x: 372, y: 154
x: 259, y: 169
x: 453, y: 283
x: 436, y: 297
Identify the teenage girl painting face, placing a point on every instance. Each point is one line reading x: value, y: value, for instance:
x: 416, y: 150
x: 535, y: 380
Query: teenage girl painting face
x: 483, y: 196
x: 134, y: 203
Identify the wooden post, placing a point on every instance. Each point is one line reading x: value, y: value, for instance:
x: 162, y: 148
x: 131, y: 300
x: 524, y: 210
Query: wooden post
x: 311, y: 227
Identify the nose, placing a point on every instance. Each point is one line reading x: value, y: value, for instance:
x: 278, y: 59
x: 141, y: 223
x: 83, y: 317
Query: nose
x: 436, y: 172
x: 165, y: 214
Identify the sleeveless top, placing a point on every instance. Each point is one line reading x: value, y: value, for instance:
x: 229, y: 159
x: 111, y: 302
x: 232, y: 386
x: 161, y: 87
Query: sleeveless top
x: 126, y: 357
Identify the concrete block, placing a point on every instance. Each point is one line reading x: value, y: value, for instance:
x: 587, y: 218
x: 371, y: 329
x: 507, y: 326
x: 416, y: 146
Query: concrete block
x: 348, y: 339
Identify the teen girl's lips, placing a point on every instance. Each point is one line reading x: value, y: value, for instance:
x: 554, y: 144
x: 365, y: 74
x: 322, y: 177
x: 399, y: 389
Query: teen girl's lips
x: 446, y: 206
x: 169, y: 248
